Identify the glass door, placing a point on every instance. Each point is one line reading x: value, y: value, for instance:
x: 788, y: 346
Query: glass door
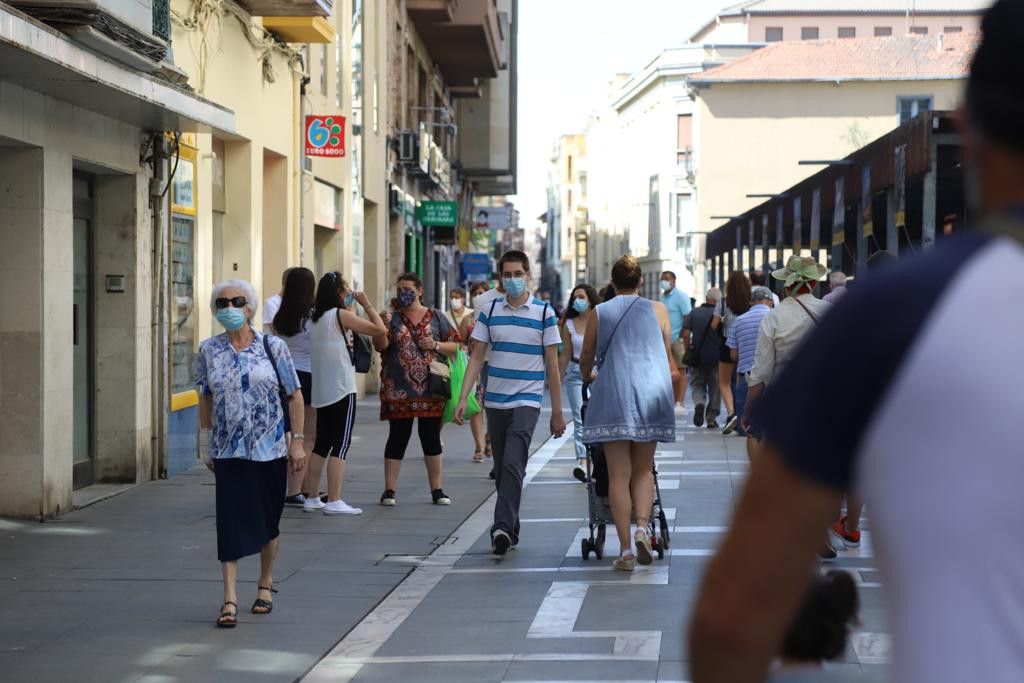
x: 82, y: 354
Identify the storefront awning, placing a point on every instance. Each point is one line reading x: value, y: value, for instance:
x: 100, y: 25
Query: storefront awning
x: 40, y: 58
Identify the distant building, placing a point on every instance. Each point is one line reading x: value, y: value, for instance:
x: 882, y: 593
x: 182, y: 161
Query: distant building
x: 759, y: 115
x: 768, y: 21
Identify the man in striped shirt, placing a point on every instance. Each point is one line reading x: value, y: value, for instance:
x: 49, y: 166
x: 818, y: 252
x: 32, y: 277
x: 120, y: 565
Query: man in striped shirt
x: 522, y: 334
x: 742, y: 342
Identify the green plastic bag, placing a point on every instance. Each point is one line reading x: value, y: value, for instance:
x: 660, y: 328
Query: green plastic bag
x: 458, y: 366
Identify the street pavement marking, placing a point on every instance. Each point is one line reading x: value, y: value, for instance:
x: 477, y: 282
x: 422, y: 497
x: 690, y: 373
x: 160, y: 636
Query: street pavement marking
x: 872, y: 648
x: 346, y: 659
x: 560, y: 609
x: 668, y: 485
x: 699, y: 529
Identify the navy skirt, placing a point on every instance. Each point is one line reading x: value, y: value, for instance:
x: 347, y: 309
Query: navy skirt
x: 250, y: 499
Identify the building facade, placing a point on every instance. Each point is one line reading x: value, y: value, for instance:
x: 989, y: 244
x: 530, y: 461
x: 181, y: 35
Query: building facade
x: 758, y: 117
x: 767, y: 21
x: 177, y: 159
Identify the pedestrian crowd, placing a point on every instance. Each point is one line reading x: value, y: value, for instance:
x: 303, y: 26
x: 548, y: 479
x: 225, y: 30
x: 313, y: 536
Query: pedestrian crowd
x: 839, y: 398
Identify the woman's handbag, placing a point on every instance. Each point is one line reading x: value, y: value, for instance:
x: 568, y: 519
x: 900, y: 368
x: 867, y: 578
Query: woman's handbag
x: 440, y: 380
x: 360, y: 351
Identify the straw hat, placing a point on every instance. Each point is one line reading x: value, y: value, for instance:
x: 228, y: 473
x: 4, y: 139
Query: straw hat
x: 800, y: 269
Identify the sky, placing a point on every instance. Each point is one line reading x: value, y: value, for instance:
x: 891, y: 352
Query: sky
x: 568, y: 51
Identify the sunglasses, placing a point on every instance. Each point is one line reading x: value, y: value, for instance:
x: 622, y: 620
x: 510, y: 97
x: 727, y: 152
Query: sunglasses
x: 237, y: 302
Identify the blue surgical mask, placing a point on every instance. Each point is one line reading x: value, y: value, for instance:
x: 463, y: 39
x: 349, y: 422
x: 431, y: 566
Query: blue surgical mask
x: 514, y: 286
x: 349, y: 300
x: 581, y: 305
x: 665, y: 284
x: 231, y: 318
x: 406, y: 298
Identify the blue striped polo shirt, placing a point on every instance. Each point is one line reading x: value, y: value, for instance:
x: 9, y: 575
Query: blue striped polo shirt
x: 742, y: 336
x: 517, y: 335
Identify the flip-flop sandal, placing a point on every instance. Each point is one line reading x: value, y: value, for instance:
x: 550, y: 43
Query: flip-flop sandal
x: 228, y: 619
x: 264, y: 606
x: 478, y: 456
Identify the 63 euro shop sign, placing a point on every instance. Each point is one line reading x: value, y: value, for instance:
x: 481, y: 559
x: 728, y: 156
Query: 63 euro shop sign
x: 325, y: 136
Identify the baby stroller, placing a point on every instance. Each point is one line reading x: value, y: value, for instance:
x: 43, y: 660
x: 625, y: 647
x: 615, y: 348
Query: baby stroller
x: 600, y: 513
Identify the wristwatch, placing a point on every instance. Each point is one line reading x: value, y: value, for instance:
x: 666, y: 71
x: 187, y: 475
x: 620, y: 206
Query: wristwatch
x: 298, y: 437
x: 437, y: 345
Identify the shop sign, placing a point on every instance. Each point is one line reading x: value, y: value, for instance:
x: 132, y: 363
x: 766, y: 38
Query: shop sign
x: 325, y: 136
x: 438, y: 213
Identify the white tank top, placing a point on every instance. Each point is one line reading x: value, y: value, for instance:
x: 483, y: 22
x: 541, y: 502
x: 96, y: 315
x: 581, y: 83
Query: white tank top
x: 577, y: 340
x: 334, y: 378
x: 298, y: 346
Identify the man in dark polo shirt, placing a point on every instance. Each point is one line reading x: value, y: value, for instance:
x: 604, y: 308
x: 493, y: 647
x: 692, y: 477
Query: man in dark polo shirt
x: 866, y: 404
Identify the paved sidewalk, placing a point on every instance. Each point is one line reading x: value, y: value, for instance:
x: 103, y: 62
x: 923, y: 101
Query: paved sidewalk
x: 543, y: 613
x: 127, y: 589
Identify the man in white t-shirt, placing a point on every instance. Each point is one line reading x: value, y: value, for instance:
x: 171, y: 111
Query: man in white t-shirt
x: 271, y: 305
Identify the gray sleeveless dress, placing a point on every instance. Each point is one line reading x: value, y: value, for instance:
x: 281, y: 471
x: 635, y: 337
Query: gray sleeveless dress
x: 631, y: 399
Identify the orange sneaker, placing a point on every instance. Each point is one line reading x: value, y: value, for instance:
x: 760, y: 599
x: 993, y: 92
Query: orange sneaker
x: 851, y: 539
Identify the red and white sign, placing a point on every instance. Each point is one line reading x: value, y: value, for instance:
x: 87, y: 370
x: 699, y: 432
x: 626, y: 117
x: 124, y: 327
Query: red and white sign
x: 325, y: 136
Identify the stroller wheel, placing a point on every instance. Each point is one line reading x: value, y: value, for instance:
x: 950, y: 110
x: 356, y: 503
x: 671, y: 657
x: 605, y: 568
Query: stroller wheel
x: 601, y: 531
x: 599, y: 550
x: 585, y: 548
x: 660, y: 549
x: 663, y: 525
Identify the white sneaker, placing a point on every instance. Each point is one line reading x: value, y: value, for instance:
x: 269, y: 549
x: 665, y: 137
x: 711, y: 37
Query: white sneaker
x: 340, y: 507
x: 312, y: 504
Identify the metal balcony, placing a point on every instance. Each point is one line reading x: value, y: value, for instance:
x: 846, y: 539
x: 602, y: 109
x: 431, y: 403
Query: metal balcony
x: 288, y: 8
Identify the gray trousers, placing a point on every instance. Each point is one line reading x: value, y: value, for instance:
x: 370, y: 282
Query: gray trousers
x: 511, y: 431
x: 704, y: 389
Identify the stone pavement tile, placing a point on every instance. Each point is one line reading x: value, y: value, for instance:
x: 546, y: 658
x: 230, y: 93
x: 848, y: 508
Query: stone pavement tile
x: 582, y: 669
x: 674, y: 670
x: 456, y: 638
x: 28, y: 631
x: 78, y: 667
x: 442, y: 672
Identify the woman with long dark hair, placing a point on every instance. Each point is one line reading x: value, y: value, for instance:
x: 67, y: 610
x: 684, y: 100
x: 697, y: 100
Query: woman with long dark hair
x: 292, y: 323
x: 334, y: 386
x: 735, y: 303
x: 573, y: 325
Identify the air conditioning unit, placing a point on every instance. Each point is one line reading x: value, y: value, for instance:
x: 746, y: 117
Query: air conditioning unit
x: 408, y: 147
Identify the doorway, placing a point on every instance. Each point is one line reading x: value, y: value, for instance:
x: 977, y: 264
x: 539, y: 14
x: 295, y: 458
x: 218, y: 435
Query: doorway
x: 82, y: 334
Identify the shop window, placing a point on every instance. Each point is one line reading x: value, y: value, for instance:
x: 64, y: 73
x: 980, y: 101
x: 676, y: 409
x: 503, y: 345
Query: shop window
x: 847, y: 32
x: 953, y: 29
x: 919, y: 30
x: 809, y: 33
x: 773, y: 34
x: 883, y: 31
x: 183, y: 246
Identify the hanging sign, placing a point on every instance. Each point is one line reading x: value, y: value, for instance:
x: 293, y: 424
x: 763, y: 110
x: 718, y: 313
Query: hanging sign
x: 325, y: 136
x: 444, y: 214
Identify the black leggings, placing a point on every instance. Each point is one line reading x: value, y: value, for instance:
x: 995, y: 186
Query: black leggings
x: 334, y: 428
x: 429, y: 429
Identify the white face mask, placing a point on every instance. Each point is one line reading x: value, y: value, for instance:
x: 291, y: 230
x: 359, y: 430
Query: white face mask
x: 456, y: 304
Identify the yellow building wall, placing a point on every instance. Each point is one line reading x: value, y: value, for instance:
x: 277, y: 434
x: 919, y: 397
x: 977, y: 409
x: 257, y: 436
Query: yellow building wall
x: 751, y: 136
x: 260, y: 235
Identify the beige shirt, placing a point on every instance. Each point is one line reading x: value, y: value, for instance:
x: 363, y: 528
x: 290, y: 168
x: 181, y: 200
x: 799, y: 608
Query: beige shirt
x: 781, y: 332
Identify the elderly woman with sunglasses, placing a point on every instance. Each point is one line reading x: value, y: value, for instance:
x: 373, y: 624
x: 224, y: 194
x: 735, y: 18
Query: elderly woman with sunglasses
x: 246, y: 382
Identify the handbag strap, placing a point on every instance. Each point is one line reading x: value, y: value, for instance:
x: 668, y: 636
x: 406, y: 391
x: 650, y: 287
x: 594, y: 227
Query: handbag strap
x: 344, y: 333
x: 615, y: 329
x: 806, y: 310
x: 273, y: 364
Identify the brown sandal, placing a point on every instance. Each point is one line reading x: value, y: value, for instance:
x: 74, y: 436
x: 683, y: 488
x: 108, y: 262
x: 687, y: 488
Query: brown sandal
x: 228, y: 619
